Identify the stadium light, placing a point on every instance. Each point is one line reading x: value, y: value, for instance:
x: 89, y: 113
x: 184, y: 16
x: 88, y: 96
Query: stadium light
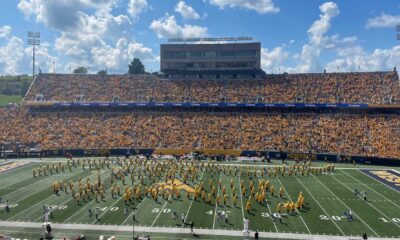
x: 398, y: 29
x: 34, y: 40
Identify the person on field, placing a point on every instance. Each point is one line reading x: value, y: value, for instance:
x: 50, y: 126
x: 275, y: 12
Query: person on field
x: 183, y: 219
x: 51, y: 213
x: 90, y: 213
x: 364, y: 236
x: 7, y: 206
x: 174, y: 215
x: 192, y: 228
x: 126, y: 212
x: 355, y: 191
x: 98, y: 214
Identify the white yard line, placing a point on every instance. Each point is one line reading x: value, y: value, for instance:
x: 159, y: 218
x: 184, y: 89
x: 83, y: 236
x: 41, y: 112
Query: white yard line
x: 190, y: 206
x: 26, y: 209
x: 54, y: 209
x: 9, y: 195
x: 47, y: 186
x: 108, y: 208
x: 9, y: 184
x: 374, y: 189
x: 43, y: 200
x: 270, y: 212
x: 241, y: 197
x: 129, y: 216
x: 83, y: 207
x: 396, y: 224
x: 15, y: 176
x: 216, y: 205
x: 161, y: 210
x: 344, y: 204
x: 305, y: 224
x: 323, y: 209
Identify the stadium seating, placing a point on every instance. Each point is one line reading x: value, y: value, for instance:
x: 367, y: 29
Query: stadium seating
x: 371, y: 88
x: 337, y: 132
x: 350, y: 134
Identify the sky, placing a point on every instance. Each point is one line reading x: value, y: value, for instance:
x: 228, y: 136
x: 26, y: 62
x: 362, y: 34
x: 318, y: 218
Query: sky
x: 295, y: 35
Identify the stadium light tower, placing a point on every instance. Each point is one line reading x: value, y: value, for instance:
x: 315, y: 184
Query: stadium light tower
x: 34, y: 40
x: 398, y: 30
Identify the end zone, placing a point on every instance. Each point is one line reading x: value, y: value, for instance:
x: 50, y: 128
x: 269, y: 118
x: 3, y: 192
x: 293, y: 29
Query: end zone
x: 390, y: 178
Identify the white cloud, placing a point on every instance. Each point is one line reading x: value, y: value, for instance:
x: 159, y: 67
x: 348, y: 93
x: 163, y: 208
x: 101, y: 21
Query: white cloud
x: 309, y: 56
x: 90, y: 35
x: 260, y: 6
x: 63, y: 15
x: 135, y: 7
x: 319, y: 28
x: 14, y: 59
x: 383, y: 21
x: 271, y: 61
x: 5, y: 31
x: 167, y: 27
x: 118, y: 57
x: 186, y: 11
x: 66, y: 16
x: 11, y: 56
x: 356, y: 59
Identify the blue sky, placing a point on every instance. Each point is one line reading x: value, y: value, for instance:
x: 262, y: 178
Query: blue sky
x: 296, y: 35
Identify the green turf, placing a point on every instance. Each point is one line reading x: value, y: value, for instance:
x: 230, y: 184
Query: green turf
x: 6, y: 99
x: 327, y: 197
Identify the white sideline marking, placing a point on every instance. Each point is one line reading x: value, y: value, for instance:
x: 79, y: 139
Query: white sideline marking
x: 305, y: 224
x: 367, y: 202
x: 323, y: 209
x: 346, y: 206
x: 213, y: 232
x: 216, y: 206
x: 190, y: 206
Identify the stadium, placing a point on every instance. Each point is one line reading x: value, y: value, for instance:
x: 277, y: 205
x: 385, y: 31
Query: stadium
x: 203, y: 152
x: 230, y: 138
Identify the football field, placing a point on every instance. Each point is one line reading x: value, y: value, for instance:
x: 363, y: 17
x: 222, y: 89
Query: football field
x: 326, y: 196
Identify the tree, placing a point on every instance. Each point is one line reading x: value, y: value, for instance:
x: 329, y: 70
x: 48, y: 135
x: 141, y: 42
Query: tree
x: 81, y: 70
x: 102, y: 72
x: 136, y: 67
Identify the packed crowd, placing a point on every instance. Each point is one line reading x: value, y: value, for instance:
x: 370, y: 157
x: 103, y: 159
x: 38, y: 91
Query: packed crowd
x: 350, y: 134
x: 372, y: 88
